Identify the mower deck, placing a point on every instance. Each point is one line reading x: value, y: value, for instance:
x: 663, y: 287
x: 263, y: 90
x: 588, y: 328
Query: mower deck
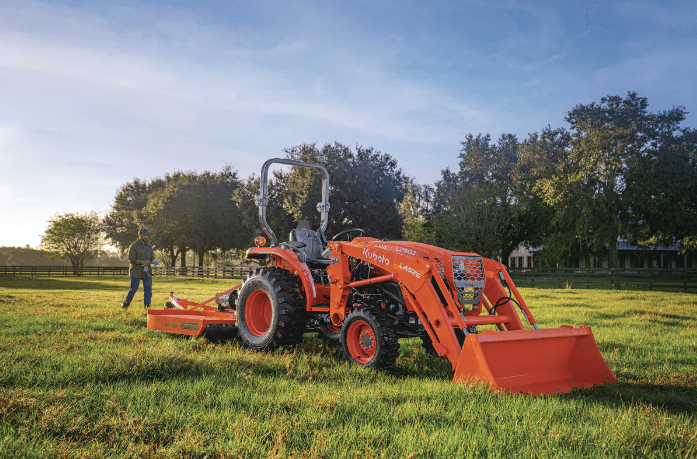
x: 187, y: 322
x: 185, y: 317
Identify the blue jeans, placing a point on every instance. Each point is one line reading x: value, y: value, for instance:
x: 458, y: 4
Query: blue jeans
x: 147, y: 290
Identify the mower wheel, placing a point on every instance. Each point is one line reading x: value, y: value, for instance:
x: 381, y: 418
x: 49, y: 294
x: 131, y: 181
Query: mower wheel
x: 368, y: 338
x: 271, y: 310
x: 219, y: 333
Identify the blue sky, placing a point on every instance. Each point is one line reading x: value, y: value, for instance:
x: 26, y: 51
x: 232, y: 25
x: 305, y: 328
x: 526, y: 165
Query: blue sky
x: 93, y: 94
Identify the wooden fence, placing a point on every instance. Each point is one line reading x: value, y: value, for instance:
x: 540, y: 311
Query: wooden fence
x: 205, y: 271
x: 113, y: 271
x: 631, y: 279
x: 49, y: 271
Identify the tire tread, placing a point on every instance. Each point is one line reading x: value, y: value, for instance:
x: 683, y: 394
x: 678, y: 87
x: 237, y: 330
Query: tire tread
x: 385, y: 333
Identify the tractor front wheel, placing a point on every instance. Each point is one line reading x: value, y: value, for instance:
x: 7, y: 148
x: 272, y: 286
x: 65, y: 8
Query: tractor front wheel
x: 270, y: 310
x: 369, y: 339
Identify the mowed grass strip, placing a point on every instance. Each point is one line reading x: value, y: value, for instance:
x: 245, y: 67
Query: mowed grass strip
x: 82, y: 378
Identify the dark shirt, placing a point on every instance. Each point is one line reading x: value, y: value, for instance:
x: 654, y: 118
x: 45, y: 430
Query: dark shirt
x: 141, y: 251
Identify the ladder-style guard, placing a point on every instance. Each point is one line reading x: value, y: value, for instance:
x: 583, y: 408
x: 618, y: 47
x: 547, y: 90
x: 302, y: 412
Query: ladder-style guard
x: 535, y: 362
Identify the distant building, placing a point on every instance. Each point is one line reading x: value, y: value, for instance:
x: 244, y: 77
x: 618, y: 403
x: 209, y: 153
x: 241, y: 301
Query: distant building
x: 629, y: 257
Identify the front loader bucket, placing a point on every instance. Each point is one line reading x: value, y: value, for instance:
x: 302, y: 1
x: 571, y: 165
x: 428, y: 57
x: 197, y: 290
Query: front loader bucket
x: 536, y: 362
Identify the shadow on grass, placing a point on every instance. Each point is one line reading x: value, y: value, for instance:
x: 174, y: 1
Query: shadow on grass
x: 674, y: 399
x: 656, y: 316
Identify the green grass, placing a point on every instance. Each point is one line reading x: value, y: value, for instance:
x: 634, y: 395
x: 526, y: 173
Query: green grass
x: 82, y: 378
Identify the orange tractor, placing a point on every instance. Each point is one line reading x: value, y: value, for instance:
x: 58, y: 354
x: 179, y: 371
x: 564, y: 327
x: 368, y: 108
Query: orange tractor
x: 363, y: 294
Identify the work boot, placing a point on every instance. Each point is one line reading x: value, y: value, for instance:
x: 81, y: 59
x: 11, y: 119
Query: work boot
x: 146, y: 306
x: 124, y: 306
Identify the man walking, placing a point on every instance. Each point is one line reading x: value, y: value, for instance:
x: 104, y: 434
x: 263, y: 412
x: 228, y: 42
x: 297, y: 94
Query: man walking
x: 141, y: 258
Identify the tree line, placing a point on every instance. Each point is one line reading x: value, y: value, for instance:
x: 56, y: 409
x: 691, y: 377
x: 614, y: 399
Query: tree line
x: 619, y: 171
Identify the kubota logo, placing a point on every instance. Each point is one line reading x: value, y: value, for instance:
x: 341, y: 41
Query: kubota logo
x: 375, y: 257
x: 410, y: 270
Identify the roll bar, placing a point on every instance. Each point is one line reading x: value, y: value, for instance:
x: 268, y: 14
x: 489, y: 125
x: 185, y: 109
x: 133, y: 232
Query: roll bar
x: 263, y: 199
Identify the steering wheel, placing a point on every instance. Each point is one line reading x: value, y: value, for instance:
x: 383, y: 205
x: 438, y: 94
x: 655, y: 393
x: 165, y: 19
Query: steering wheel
x: 348, y: 231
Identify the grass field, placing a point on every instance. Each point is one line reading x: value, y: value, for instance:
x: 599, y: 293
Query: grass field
x: 82, y: 378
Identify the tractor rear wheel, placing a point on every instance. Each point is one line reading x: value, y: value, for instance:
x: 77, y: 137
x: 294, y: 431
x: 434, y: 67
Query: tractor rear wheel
x: 368, y: 338
x: 270, y: 310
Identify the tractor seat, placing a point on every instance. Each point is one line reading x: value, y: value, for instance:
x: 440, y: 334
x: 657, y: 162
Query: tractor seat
x: 313, y: 245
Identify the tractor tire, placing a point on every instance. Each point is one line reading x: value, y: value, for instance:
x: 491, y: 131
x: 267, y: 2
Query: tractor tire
x: 219, y: 333
x: 270, y: 310
x: 330, y: 335
x: 368, y: 338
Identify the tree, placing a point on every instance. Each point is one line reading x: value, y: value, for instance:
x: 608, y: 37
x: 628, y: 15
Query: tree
x: 217, y: 224
x: 474, y: 221
x: 416, y: 208
x: 662, y: 190
x: 482, y: 162
x: 165, y: 214
x: 120, y: 225
x: 611, y: 143
x: 485, y: 180
x: 539, y: 223
x: 194, y: 211
x: 74, y: 237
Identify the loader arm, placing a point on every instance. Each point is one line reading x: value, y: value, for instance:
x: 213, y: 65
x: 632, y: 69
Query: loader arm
x: 414, y: 275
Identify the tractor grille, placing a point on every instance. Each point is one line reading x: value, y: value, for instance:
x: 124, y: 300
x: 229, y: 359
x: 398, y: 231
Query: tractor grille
x: 468, y: 274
